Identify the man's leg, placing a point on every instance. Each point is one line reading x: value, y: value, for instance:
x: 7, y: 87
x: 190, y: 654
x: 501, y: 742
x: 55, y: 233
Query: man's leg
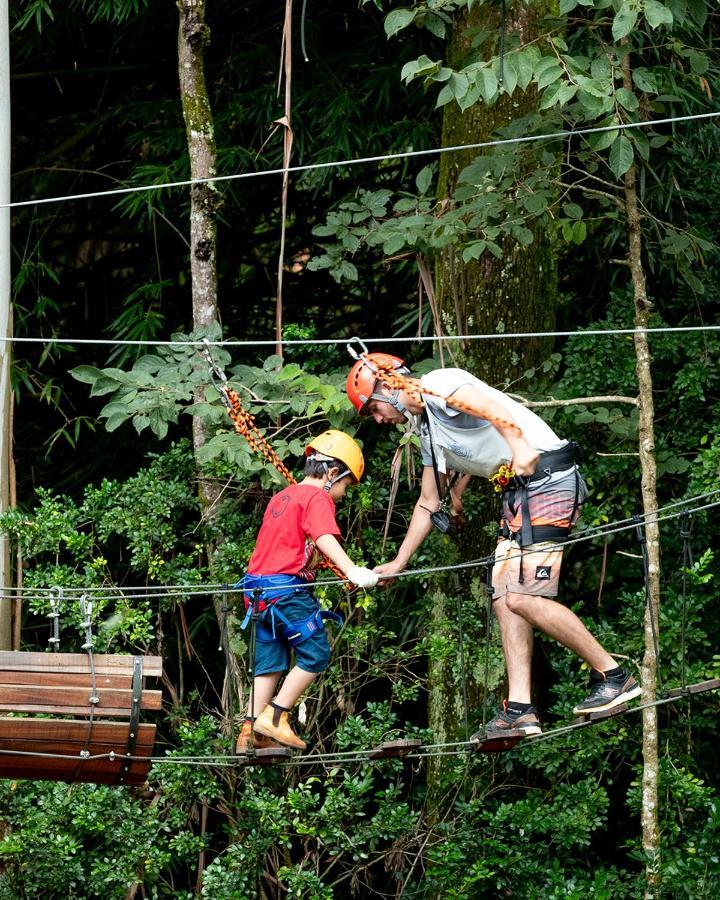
x: 517, y: 641
x: 563, y: 625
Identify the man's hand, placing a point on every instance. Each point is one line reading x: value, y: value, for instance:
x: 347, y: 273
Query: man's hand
x: 525, y: 460
x: 388, y: 569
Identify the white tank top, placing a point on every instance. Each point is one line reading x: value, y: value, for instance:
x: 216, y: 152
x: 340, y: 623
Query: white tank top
x: 465, y: 443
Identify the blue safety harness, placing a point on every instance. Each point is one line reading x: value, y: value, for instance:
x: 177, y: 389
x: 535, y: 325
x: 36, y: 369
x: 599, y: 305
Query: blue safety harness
x: 272, y: 588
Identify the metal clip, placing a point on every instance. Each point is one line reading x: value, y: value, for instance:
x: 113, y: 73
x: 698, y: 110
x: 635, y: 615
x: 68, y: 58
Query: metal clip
x: 214, y: 370
x: 353, y: 352
x: 86, y: 613
x: 56, y: 597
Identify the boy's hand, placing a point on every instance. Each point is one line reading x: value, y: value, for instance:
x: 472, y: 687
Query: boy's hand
x: 362, y: 577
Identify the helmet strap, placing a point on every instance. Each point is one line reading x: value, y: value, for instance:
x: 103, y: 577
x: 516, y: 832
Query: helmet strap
x: 332, y: 481
x: 396, y: 403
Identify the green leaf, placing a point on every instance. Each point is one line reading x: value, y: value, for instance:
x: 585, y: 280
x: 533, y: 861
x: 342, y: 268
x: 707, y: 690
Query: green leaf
x: 535, y: 203
x: 424, y: 179
x: 626, y: 99
x: 549, y: 76
x: 624, y: 21
x: 645, y: 81
x: 621, y: 156
x: 510, y: 75
x: 474, y: 251
x: 641, y: 143
x: 572, y: 210
x: 656, y: 14
x: 524, y: 65
x: 397, y: 20
x: 86, y: 374
x: 488, y: 85
x: 579, y: 232
x: 434, y: 25
x: 567, y: 6
x: 416, y: 68
x: 699, y: 63
x: 445, y: 96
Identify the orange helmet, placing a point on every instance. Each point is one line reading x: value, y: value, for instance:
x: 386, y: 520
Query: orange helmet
x: 334, y: 444
x: 360, y: 385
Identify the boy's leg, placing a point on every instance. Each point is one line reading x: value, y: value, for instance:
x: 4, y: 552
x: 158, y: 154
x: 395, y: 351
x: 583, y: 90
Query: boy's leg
x: 313, y: 656
x: 295, y: 684
x: 262, y: 692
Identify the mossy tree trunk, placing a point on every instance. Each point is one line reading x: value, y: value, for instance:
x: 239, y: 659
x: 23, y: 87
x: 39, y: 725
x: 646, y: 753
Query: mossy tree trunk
x: 515, y: 293
x: 648, y: 475
x: 205, y: 201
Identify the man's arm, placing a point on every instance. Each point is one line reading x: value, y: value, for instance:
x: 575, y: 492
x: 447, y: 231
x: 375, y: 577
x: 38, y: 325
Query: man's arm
x: 524, y: 457
x: 420, y: 525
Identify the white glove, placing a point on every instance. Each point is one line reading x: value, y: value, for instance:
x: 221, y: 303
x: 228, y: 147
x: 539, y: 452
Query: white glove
x: 362, y: 577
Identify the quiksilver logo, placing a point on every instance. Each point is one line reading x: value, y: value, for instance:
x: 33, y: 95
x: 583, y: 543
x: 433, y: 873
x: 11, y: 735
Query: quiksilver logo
x: 542, y: 573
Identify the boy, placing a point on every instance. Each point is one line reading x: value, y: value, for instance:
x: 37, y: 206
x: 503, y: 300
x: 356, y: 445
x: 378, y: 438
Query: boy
x: 298, y: 527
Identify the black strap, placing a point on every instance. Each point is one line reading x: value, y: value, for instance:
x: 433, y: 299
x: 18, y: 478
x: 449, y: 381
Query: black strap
x: 451, y: 482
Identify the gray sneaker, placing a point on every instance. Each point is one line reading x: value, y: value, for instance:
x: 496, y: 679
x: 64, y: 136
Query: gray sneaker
x: 507, y: 725
x: 607, y: 692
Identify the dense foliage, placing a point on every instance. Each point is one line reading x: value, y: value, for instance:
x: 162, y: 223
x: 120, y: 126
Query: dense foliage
x: 108, y: 479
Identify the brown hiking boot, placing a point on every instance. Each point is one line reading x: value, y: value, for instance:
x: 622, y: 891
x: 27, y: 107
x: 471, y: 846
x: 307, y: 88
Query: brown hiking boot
x: 274, y: 723
x: 259, y: 741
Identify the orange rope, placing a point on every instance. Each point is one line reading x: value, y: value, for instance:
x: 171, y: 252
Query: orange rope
x: 395, y: 381
x: 244, y: 423
x: 245, y: 426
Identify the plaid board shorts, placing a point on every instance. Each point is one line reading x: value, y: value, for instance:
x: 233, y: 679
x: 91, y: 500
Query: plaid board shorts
x: 541, y: 564
x: 554, y: 501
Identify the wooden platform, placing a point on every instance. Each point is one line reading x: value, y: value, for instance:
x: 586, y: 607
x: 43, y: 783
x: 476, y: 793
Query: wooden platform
x: 45, y: 736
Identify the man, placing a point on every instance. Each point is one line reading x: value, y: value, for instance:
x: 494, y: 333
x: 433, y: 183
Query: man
x: 489, y: 436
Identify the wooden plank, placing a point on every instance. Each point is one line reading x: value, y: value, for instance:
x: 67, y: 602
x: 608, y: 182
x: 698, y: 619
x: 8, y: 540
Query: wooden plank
x: 72, y: 700
x: 394, y: 749
x: 66, y: 679
x: 90, y: 771
x: 701, y: 686
x: 69, y: 737
x: 608, y: 713
x: 23, y: 660
x: 496, y: 744
x: 267, y: 757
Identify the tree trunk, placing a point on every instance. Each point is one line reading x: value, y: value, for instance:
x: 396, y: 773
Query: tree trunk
x: 517, y: 292
x: 646, y: 437
x: 6, y: 607
x: 193, y: 38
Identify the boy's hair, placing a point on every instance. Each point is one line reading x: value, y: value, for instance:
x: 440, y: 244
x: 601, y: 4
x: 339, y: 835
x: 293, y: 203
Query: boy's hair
x: 316, y: 466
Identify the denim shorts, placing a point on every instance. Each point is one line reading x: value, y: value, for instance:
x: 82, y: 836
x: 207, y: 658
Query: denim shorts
x: 312, y: 655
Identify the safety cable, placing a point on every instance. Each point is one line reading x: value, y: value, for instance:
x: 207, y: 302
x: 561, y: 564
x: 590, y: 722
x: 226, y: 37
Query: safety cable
x: 685, y: 535
x: 415, y: 339
x: 169, y: 591
x: 449, y: 748
x: 385, y: 157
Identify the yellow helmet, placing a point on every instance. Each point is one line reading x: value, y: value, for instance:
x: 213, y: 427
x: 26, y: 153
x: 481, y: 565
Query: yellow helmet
x: 338, y: 445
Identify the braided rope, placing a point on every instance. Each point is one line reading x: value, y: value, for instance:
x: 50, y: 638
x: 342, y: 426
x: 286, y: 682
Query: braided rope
x: 395, y: 381
x: 244, y: 424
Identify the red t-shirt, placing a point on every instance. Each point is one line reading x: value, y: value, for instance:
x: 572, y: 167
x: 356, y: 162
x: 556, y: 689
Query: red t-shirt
x: 294, y: 519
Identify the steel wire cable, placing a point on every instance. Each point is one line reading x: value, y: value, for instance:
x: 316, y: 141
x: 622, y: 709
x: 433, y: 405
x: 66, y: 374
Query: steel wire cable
x: 299, y: 342
x: 343, y: 757
x: 587, y: 535
x: 385, y: 157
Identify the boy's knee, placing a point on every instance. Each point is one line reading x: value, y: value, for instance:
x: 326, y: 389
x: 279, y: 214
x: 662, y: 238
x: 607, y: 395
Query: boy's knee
x: 313, y: 655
